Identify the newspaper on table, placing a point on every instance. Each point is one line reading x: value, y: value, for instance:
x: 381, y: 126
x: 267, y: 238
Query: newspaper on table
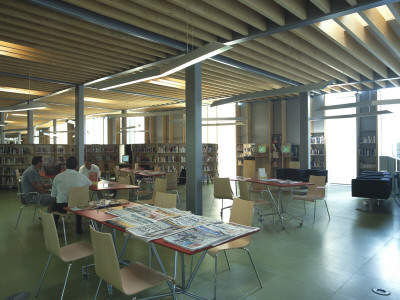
x: 197, y: 237
x: 232, y: 229
x: 130, y: 221
x: 169, y: 226
x: 153, y: 212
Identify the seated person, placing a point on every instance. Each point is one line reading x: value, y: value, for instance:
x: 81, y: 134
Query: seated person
x: 88, y: 168
x: 61, y: 186
x: 32, y: 182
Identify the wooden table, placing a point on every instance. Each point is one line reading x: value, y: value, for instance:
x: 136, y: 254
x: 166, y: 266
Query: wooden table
x: 105, y: 185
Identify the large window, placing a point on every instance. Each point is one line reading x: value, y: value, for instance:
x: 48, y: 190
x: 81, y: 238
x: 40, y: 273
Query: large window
x: 96, y: 131
x: 135, y: 135
x: 223, y: 135
x: 341, y: 147
x: 388, y: 125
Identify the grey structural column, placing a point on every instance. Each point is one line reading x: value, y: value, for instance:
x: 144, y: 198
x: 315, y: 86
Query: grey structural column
x: 112, y: 131
x: 194, y: 197
x: 123, y: 125
x: 54, y: 131
x: 304, y: 149
x: 2, y: 132
x: 31, y: 130
x: 79, y: 124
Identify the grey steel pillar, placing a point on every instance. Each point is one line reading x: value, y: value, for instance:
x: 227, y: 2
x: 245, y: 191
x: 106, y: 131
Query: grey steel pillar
x: 123, y: 125
x: 304, y: 149
x: 54, y: 131
x: 194, y: 197
x: 79, y: 124
x: 2, y: 132
x: 31, y: 130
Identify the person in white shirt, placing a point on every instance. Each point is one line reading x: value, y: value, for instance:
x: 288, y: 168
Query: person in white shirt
x: 61, y: 186
x: 88, y: 168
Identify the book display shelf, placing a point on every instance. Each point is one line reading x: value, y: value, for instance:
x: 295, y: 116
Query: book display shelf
x: 276, y: 153
x: 103, y: 153
x: 367, y: 151
x: 172, y: 158
x: 19, y: 156
x: 317, y: 148
x: 239, y: 159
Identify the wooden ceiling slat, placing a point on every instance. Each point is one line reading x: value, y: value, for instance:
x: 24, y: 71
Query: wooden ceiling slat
x: 323, y: 5
x: 188, y: 18
x: 202, y: 9
x: 301, y: 45
x: 342, y: 39
x: 269, y: 9
x: 323, y: 43
x: 91, y: 29
x: 159, y: 18
x: 381, y: 28
x: 296, y: 7
x: 240, y: 12
x: 137, y: 21
x: 290, y: 51
x: 364, y: 37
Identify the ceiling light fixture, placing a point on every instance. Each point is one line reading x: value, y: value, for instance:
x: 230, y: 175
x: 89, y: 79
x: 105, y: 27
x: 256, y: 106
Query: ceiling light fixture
x: 360, y: 104
x: 360, y: 115
x: 24, y: 106
x: 224, y: 124
x: 277, y: 92
x: 182, y: 62
x: 3, y: 124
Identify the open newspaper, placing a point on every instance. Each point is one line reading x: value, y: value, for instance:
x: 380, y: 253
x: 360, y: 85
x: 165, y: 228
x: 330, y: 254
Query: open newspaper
x: 130, y: 221
x: 169, y: 226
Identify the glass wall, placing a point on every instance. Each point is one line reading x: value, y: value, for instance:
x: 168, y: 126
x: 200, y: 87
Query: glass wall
x: 388, y: 125
x: 96, y: 131
x: 135, y: 135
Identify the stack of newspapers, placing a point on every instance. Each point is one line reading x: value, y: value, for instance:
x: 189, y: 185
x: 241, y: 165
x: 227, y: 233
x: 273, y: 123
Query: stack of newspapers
x: 177, y: 227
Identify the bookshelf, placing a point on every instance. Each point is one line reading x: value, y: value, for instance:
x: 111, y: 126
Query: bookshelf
x: 239, y: 159
x: 103, y: 153
x: 172, y: 158
x: 276, y: 153
x: 317, y: 150
x: 367, y: 151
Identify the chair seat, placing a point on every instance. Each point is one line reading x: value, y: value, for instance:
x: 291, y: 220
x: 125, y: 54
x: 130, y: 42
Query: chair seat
x: 239, y: 243
x: 75, y: 251
x: 138, y: 277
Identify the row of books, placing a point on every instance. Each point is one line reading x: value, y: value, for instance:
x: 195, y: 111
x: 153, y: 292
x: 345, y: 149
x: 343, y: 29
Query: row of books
x: 14, y: 160
x: 177, y: 227
x: 10, y: 171
x: 14, y: 150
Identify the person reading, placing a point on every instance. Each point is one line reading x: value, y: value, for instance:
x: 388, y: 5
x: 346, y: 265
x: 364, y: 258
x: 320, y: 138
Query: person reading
x: 61, y: 186
x: 88, y: 167
x: 31, y: 182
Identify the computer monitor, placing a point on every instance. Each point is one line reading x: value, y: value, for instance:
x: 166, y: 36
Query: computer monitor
x: 286, y: 148
x: 125, y: 158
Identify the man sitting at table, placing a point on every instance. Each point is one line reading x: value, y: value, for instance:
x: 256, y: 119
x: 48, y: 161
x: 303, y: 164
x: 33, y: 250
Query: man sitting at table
x: 61, y: 186
x: 88, y: 168
x: 31, y: 182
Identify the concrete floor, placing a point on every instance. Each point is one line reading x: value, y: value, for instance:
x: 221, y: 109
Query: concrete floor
x: 343, y: 258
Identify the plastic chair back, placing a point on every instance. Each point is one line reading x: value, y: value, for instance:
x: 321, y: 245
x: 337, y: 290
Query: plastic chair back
x: 124, y: 194
x: 105, y: 258
x: 50, y: 234
x: 116, y: 171
x: 17, y: 174
x: 160, y: 185
x: 222, y: 188
x: 319, y: 181
x: 165, y: 200
x: 172, y: 180
x: 242, y: 212
x: 244, y: 190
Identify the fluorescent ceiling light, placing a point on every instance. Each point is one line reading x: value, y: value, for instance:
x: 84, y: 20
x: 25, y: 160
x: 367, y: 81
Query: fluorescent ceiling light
x: 360, y: 115
x: 122, y: 131
x: 3, y: 124
x: 24, y: 106
x: 22, y: 91
x: 224, y: 124
x: 170, y: 82
x: 129, y: 127
x: 276, y: 92
x: 176, y: 65
x: 360, y: 104
x: 149, y: 114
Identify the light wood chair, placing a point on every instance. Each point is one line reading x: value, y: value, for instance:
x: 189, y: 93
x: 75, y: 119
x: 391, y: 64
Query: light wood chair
x: 116, y: 172
x: 315, y: 192
x: 67, y: 254
x: 160, y: 185
x: 24, y: 203
x: 17, y: 174
x: 258, y: 203
x: 77, y: 197
x: 102, y: 168
x: 130, y: 280
x: 124, y: 194
x: 222, y: 190
x: 241, y: 213
x: 165, y: 200
x: 172, y: 183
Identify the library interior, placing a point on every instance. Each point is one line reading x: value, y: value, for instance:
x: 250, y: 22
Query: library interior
x: 178, y: 130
